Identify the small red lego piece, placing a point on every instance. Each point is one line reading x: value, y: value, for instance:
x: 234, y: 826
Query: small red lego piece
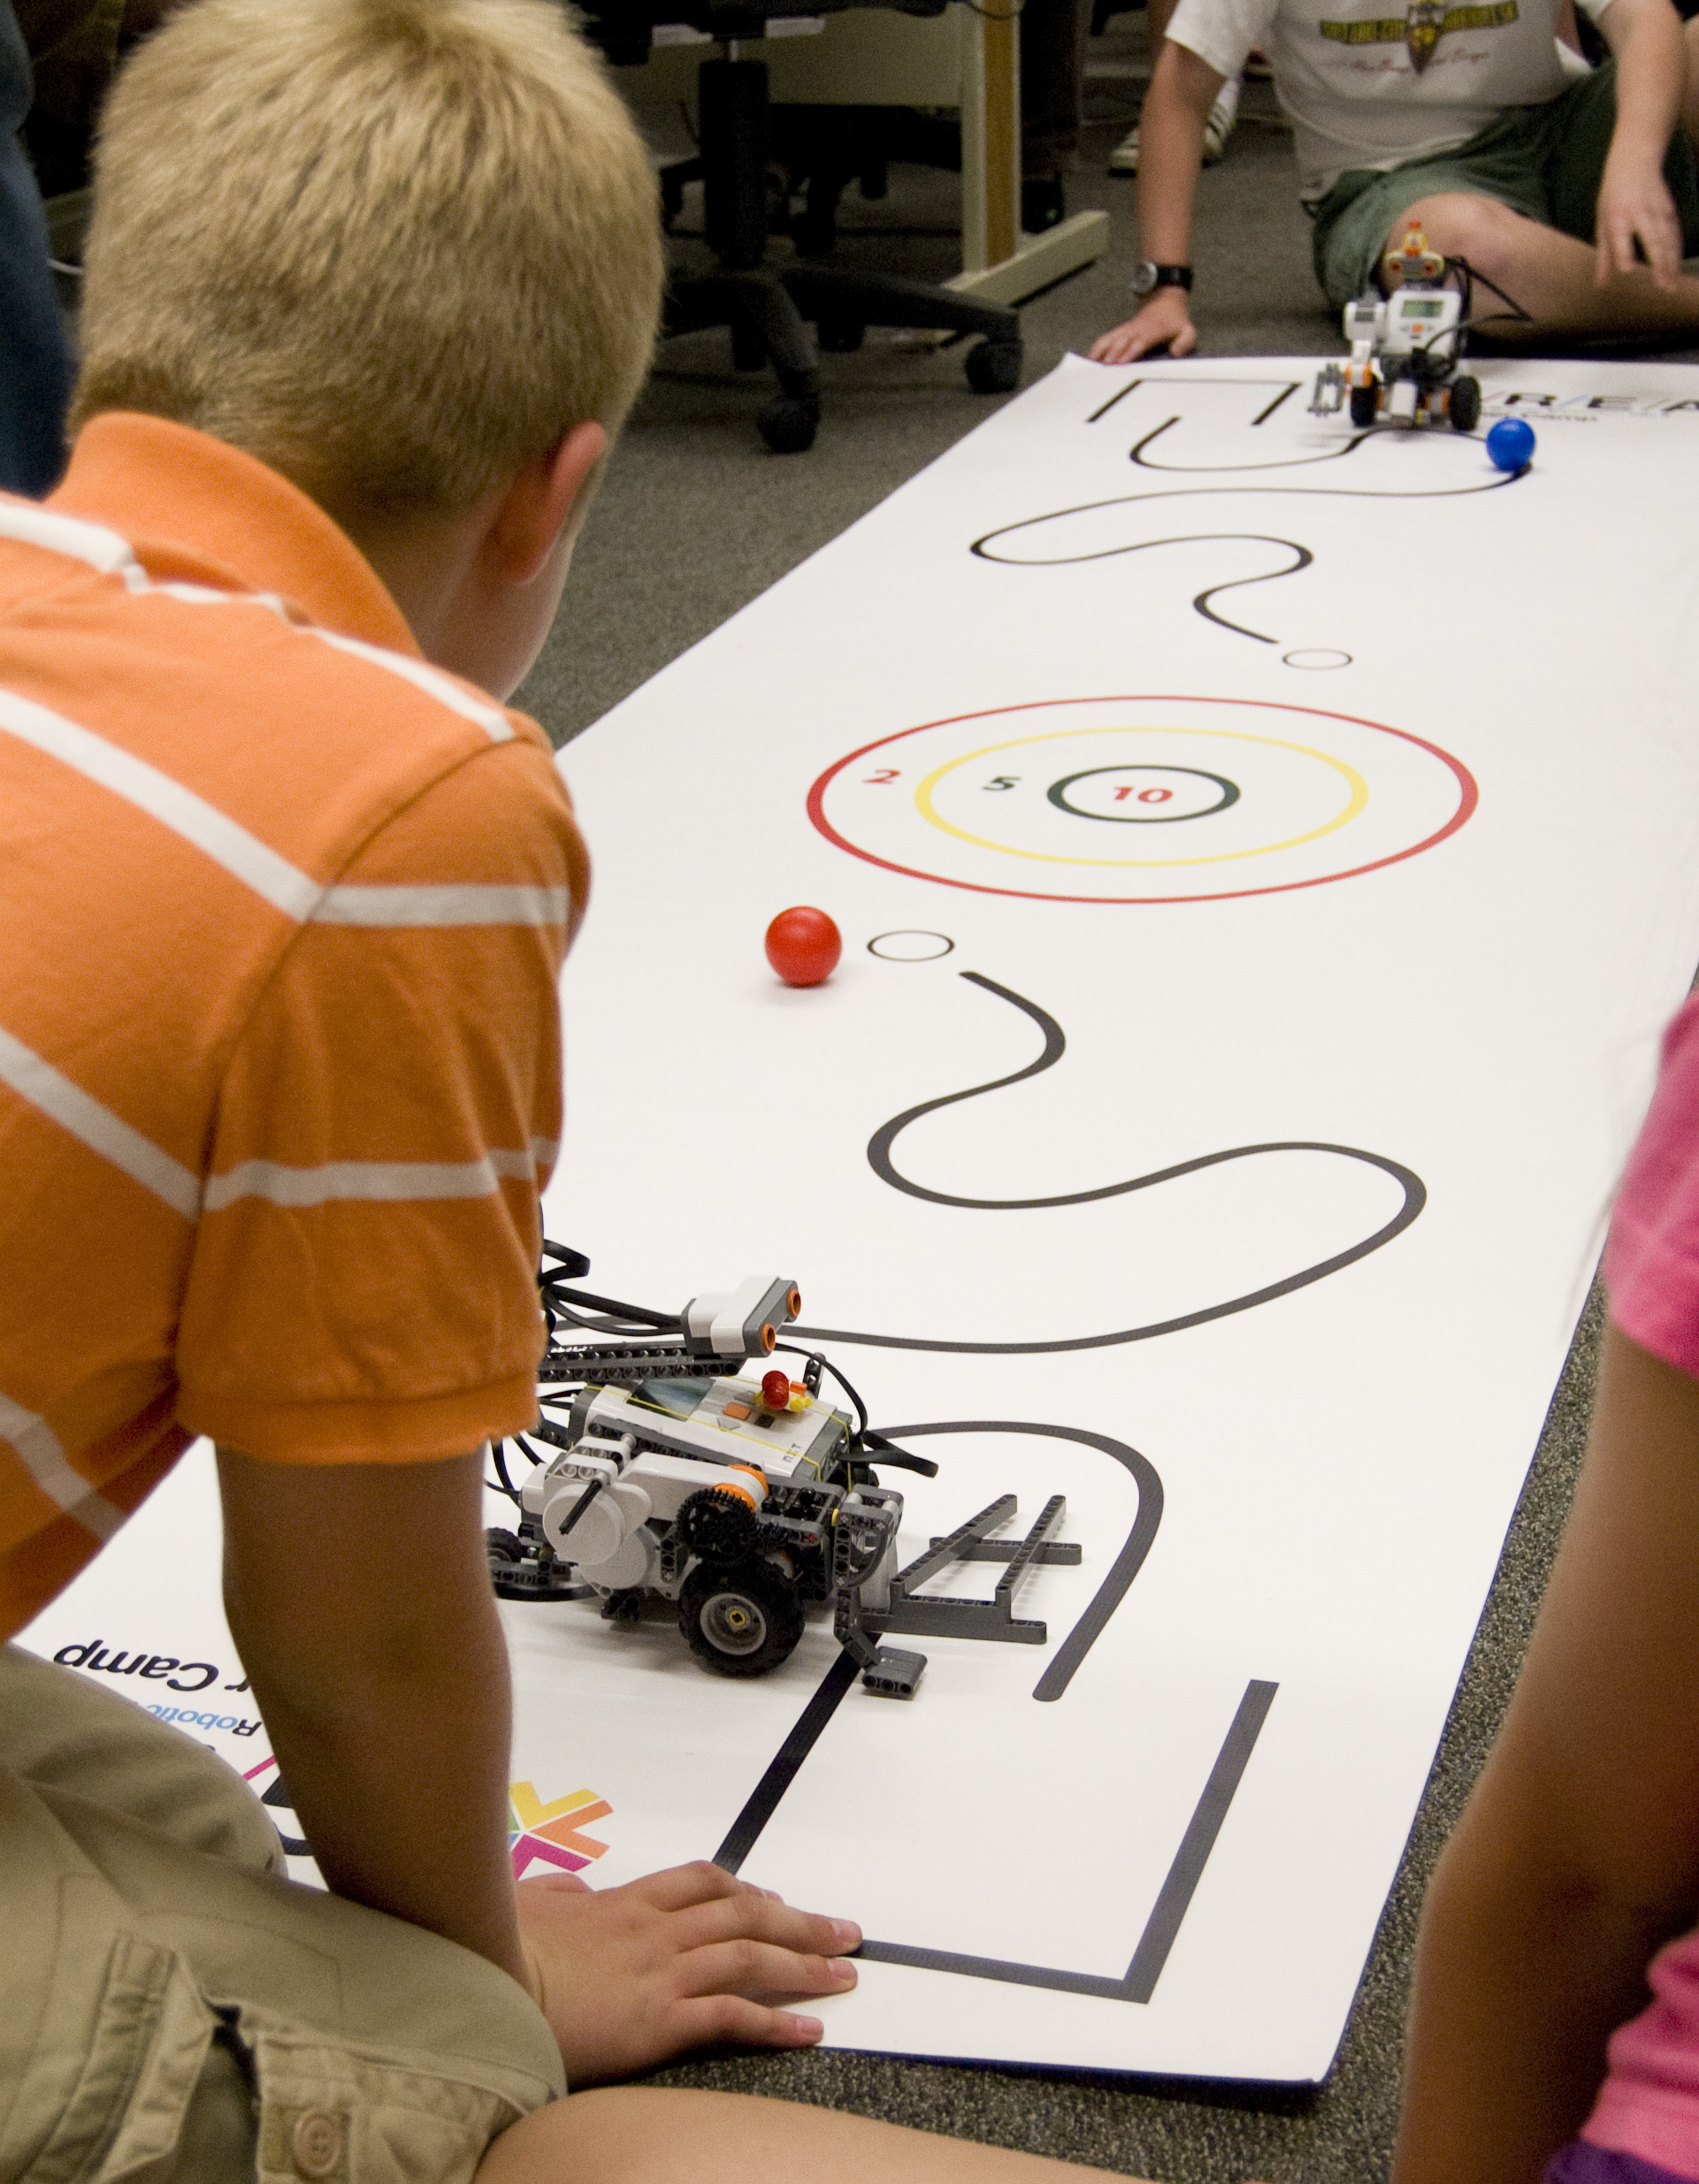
x: 775, y: 1390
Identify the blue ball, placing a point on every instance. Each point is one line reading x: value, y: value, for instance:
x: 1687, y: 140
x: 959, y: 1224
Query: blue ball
x: 1510, y: 445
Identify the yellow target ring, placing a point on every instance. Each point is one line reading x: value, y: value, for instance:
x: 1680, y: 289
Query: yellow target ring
x: 1357, y: 796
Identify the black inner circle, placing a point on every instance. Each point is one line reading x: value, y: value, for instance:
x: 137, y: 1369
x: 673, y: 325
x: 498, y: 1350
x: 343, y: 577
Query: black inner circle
x: 1058, y: 794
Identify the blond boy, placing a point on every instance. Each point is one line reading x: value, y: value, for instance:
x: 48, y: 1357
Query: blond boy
x: 283, y: 896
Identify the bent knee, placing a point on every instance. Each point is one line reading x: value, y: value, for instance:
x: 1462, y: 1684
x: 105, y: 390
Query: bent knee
x: 1463, y: 226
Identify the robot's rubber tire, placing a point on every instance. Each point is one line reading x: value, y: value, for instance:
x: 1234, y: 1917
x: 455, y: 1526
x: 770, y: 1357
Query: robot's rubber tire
x: 502, y: 1545
x: 740, y: 1621
x: 840, y: 337
x: 1364, y: 401
x: 788, y: 423
x: 1464, y: 406
x: 994, y: 367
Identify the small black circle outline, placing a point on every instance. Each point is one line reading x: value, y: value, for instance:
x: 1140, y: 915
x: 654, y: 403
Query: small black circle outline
x: 1316, y: 667
x: 948, y: 948
x: 1134, y: 819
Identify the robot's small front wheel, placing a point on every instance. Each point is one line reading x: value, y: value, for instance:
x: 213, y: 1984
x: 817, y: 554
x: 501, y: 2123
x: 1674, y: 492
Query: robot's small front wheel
x: 1464, y: 405
x: 1364, y: 402
x: 740, y: 1621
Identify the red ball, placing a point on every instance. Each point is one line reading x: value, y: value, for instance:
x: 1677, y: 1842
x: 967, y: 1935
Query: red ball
x: 803, y: 946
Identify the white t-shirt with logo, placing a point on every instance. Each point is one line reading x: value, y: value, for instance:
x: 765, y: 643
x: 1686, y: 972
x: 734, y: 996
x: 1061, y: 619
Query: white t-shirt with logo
x: 1367, y: 87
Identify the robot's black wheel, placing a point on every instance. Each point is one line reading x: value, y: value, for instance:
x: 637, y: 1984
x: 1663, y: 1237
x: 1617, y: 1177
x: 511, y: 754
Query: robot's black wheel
x: 717, y: 1525
x: 502, y: 1545
x: 1364, y: 402
x: 840, y: 337
x: 740, y: 1621
x: 993, y: 367
x: 788, y: 423
x: 1464, y: 405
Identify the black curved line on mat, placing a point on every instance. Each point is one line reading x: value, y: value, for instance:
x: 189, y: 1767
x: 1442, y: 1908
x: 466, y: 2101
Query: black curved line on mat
x: 1196, y: 492
x: 1202, y: 601
x: 1209, y: 469
x: 1109, y: 1595
x: 879, y: 1159
x: 1288, y: 388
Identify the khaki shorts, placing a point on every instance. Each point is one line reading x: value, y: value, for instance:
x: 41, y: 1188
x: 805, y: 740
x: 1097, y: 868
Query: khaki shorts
x: 1545, y: 162
x: 172, y: 2011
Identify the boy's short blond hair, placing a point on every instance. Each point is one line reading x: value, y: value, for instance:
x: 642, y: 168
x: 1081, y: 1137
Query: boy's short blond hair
x: 393, y: 248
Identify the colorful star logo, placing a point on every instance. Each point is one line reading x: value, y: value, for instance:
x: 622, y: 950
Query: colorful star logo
x: 551, y: 1831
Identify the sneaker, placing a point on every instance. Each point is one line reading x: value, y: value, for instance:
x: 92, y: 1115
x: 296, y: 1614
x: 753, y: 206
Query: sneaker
x: 1222, y: 115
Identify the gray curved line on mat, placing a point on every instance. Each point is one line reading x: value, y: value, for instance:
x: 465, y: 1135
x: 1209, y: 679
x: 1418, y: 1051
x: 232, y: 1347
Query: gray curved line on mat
x: 879, y: 1159
x: 1109, y: 1595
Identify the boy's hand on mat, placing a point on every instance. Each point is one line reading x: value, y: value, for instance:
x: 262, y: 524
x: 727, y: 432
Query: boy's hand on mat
x: 1165, y: 320
x: 630, y: 1976
x: 1635, y: 200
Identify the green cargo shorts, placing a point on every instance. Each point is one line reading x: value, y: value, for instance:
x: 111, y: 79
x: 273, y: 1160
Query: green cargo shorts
x: 1546, y: 162
x: 172, y: 2011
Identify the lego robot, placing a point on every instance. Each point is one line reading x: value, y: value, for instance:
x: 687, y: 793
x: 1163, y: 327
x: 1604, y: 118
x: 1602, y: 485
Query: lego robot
x: 1404, y: 349
x: 673, y: 1470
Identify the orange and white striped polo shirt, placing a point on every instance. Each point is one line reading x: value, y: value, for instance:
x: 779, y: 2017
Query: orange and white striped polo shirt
x: 282, y: 909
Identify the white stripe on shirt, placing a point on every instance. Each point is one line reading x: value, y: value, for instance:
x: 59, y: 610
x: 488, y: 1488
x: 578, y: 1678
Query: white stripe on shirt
x: 47, y: 1463
x: 243, y: 855
x: 89, y: 543
x: 392, y: 1181
x: 494, y: 723
x: 97, y: 1127
x: 472, y: 904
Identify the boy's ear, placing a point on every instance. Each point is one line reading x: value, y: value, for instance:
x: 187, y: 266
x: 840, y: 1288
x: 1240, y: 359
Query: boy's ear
x: 538, y: 503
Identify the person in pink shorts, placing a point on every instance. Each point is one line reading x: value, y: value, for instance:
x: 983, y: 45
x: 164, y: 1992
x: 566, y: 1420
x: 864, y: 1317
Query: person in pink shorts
x: 1555, y: 2025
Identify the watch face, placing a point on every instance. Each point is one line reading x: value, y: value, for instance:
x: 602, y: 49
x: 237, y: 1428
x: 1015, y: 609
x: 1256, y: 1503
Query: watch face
x: 1143, y: 277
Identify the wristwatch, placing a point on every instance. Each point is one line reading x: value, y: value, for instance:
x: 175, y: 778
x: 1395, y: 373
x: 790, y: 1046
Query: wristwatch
x: 1147, y: 276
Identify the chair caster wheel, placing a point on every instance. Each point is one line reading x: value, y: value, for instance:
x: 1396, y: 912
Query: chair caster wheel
x: 994, y: 367
x: 788, y: 423
x: 840, y: 337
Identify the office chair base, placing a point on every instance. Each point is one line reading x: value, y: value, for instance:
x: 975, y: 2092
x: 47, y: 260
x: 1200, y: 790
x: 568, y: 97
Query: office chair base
x: 768, y: 310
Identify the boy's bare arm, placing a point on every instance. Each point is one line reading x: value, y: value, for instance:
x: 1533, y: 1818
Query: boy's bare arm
x: 1170, y: 156
x: 359, y: 1599
x: 1645, y: 36
x: 1578, y: 1854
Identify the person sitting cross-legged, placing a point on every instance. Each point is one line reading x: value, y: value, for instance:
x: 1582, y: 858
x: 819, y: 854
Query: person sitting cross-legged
x: 1576, y: 190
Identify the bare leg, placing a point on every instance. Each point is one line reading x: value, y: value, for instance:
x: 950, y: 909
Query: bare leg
x: 1552, y: 275
x: 653, y: 2134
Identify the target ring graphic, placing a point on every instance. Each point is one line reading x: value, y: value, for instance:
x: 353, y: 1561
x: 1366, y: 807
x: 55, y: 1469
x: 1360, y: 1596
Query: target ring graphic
x: 1160, y: 788
x: 1014, y: 801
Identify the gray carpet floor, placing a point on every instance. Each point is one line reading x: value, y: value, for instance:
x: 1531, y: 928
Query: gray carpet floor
x: 695, y: 519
